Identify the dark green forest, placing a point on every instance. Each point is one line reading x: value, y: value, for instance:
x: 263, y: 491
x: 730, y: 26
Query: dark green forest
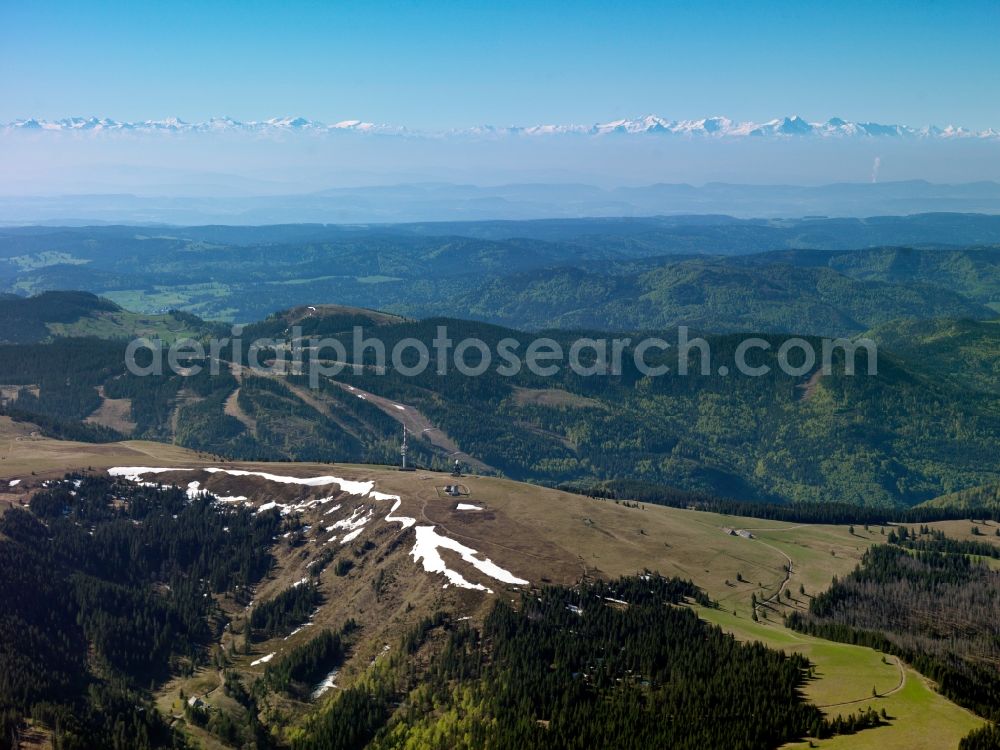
x: 602, y: 665
x: 107, y: 591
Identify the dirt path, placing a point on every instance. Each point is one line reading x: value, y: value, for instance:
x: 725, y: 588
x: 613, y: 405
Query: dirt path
x: 899, y: 686
x: 418, y: 424
x: 233, y: 409
x: 303, y: 394
x: 321, y: 406
x: 776, y: 596
x: 779, y: 528
x: 809, y: 387
x: 776, y: 599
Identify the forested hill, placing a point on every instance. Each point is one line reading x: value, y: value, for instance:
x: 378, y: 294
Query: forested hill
x: 710, y: 295
x: 821, y: 276
x: 965, y: 352
x: 858, y: 439
x: 987, y: 496
x: 971, y: 271
x: 25, y: 320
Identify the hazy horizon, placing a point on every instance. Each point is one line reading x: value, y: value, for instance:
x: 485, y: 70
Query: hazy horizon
x: 292, y: 100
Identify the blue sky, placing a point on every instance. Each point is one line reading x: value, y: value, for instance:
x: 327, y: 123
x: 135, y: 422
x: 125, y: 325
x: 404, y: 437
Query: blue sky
x: 438, y: 65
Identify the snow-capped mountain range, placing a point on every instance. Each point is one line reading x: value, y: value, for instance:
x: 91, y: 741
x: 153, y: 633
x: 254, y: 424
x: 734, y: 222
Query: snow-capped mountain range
x: 709, y: 127
x: 214, y: 125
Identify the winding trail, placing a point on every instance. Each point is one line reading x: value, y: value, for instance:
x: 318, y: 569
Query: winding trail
x: 899, y: 686
x: 776, y: 596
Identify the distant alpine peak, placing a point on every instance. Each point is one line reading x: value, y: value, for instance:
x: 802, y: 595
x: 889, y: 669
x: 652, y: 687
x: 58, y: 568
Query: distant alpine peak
x: 647, y: 125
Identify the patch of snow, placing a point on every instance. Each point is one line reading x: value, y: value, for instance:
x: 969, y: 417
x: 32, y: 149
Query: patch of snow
x: 299, y: 629
x: 404, y: 520
x: 299, y: 583
x: 262, y: 660
x: 14, y: 482
x: 347, y: 485
x: 426, y: 551
x: 380, y: 654
x: 350, y: 486
x: 326, y: 684
x: 133, y: 473
x: 358, y: 519
x: 467, y: 506
x: 299, y: 507
x: 400, y: 407
x: 231, y: 499
x: 350, y: 537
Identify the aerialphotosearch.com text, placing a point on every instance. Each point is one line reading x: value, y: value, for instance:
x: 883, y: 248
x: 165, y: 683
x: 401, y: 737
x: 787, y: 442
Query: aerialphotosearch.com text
x: 650, y: 356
